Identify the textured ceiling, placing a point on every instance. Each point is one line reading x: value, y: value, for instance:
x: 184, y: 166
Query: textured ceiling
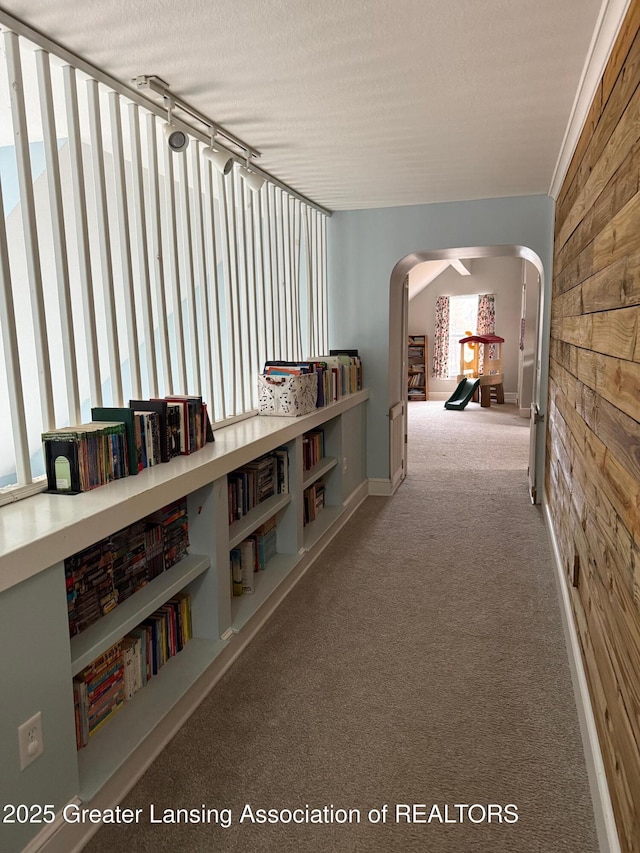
x: 357, y: 103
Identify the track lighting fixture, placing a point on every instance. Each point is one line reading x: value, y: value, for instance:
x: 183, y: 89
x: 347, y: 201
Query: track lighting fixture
x: 177, y: 140
x: 225, y: 144
x: 220, y: 159
x: 252, y: 179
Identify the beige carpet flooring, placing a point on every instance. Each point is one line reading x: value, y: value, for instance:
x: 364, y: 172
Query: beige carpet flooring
x: 419, y: 661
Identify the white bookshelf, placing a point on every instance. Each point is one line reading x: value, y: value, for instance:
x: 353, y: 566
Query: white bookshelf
x: 40, y: 533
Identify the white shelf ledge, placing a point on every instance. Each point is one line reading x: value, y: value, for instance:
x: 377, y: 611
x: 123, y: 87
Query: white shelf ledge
x: 322, y: 467
x: 240, y: 529
x: 315, y: 530
x: 244, y: 606
x: 42, y: 530
x: 97, y: 638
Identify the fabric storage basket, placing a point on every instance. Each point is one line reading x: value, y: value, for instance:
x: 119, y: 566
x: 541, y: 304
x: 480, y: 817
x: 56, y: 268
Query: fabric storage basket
x: 287, y: 395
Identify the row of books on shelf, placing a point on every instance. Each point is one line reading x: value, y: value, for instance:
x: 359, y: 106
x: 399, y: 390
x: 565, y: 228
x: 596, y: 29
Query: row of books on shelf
x: 313, y: 500
x: 257, y: 481
x: 416, y: 379
x: 312, y: 448
x: 113, y: 678
x: 338, y: 374
x: 122, y: 441
x: 102, y: 576
x: 252, y: 556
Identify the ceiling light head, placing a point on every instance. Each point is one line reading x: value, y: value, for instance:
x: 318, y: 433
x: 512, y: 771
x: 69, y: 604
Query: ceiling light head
x: 177, y: 140
x: 220, y: 159
x: 252, y: 179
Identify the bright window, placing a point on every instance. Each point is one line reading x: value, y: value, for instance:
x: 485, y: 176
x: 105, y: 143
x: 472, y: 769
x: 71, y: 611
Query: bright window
x: 463, y: 320
x: 132, y: 271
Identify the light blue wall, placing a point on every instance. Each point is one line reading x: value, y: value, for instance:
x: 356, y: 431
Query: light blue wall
x: 35, y: 675
x: 365, y: 246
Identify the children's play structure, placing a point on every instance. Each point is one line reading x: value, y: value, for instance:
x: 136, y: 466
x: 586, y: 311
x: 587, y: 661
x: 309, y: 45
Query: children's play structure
x: 479, y: 377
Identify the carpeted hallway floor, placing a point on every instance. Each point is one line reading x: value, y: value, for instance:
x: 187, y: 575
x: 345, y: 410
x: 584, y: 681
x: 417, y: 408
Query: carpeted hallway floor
x: 420, y: 660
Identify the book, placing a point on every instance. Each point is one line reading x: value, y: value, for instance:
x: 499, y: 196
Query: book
x: 159, y: 406
x: 191, y: 421
x: 248, y: 565
x: 108, y: 413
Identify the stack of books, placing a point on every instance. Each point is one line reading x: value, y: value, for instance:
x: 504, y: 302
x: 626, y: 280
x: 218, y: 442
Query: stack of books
x: 90, y: 589
x: 154, y: 548
x: 257, y: 481
x: 122, y: 441
x: 113, y: 678
x: 129, y: 560
x: 251, y: 556
x: 83, y: 457
x: 338, y: 374
x: 175, y: 531
x: 312, y: 448
x: 266, y: 540
x: 101, y: 576
x: 313, y: 501
x: 98, y: 693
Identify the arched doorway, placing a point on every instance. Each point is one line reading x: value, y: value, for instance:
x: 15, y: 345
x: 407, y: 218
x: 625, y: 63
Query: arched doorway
x: 398, y: 313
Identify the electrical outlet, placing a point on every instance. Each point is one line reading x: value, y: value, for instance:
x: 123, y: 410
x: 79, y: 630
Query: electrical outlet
x: 344, y: 464
x: 30, y: 740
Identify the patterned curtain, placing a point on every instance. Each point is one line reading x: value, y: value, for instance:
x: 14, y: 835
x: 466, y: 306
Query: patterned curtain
x: 440, y: 369
x: 487, y: 321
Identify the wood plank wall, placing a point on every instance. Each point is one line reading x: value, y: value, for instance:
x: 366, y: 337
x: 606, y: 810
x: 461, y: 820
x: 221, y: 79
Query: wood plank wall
x: 592, y: 475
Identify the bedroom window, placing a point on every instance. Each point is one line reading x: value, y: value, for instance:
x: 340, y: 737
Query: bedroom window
x: 463, y: 319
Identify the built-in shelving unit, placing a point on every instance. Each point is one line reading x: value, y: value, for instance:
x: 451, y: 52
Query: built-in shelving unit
x: 326, y: 470
x: 39, y: 534
x: 418, y: 384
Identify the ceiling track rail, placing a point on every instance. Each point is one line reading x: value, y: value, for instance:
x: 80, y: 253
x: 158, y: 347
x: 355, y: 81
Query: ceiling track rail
x: 8, y: 22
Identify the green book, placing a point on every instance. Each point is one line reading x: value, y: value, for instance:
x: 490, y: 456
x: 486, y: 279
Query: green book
x: 125, y: 416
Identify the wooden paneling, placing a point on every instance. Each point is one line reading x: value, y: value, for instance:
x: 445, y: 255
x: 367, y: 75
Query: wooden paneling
x: 592, y: 476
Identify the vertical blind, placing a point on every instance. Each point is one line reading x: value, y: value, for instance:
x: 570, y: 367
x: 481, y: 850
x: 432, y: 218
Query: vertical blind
x: 128, y: 270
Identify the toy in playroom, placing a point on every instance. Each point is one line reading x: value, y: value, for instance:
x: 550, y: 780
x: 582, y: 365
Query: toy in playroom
x: 487, y: 377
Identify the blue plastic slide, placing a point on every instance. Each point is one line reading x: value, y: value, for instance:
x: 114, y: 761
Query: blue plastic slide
x: 463, y: 393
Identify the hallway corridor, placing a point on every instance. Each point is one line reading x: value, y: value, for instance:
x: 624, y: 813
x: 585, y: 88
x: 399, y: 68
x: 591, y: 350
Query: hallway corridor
x: 420, y: 660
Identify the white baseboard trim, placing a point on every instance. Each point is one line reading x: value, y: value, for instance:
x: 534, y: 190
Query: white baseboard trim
x: 603, y: 810
x: 36, y: 844
x: 380, y: 487
x: 509, y: 396
x: 62, y: 837
x: 525, y: 413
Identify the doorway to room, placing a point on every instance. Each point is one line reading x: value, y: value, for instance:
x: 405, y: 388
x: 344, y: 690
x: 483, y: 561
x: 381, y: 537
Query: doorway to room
x: 513, y: 275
